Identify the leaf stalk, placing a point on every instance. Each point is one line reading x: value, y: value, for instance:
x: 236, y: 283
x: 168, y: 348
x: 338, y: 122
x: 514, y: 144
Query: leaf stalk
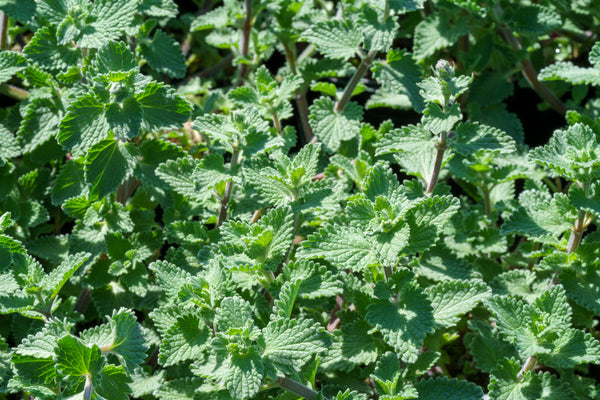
x: 439, y: 157
x: 297, y: 388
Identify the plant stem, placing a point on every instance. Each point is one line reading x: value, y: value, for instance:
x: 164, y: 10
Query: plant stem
x: 228, y: 188
x: 388, y: 271
x: 439, y: 157
x: 297, y: 388
x: 300, y: 95
x: 527, y: 68
x: 487, y: 205
x: 528, y: 366
x: 3, y: 31
x: 13, y: 91
x: 576, y: 234
x: 245, y: 40
x: 276, y: 122
x: 358, y: 75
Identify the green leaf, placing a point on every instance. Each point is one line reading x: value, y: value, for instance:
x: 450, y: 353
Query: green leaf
x: 540, y: 216
x: 505, y: 385
x: 473, y: 137
x: 400, y: 74
x: 335, y: 38
x: 114, y: 56
x: 378, y: 36
x: 487, y: 347
x: 233, y: 313
x: 437, y: 32
x: 158, y: 8
x: 40, y: 124
x: 125, y: 340
x: 107, y: 164
x: 402, y: 313
x: 185, y: 340
x: 449, y: 389
x: 84, y: 125
x: 284, y: 305
x: 181, y: 176
x: 534, y: 19
x: 244, y: 375
x: 164, y: 55
x: 76, y: 360
x: 113, y: 383
x: 344, y: 246
x: 106, y: 20
x: 54, y: 281
x: 289, y: 344
x: 10, y: 147
x: 352, y: 346
x: 573, y: 154
x: 571, y: 73
x: 589, y: 201
x: 315, y: 280
x: 450, y: 300
x: 332, y: 127
x: 11, y: 62
x: 33, y: 358
x: 437, y: 120
x: 21, y: 10
x: 162, y: 108
x: 45, y: 51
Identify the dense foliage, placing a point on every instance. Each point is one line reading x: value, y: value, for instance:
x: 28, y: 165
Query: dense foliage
x: 281, y: 199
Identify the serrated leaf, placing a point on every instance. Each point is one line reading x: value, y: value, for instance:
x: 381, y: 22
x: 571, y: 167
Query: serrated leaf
x: 54, y: 281
x: 234, y: 312
x: 84, y: 125
x: 573, y: 154
x: 399, y: 74
x: 244, y: 375
x: 571, y: 73
x: 473, y: 137
x: 450, y: 300
x: 162, y: 108
x: 437, y: 32
x: 10, y: 147
x: 184, y: 341
x: 180, y: 175
x: 107, y: 164
x: 534, y: 19
x: 379, y: 36
x: 76, y: 360
x: 352, y: 346
x: 344, y: 246
x: 289, y: 344
x: 437, y: 120
x: 316, y: 280
x: 487, y: 347
x: 334, y: 38
x: 11, y: 62
x: 126, y: 339
x: 164, y: 55
x: 450, y: 389
x: 504, y: 384
x: 332, y: 127
x: 403, y: 315
x: 114, y: 56
x: 40, y: 124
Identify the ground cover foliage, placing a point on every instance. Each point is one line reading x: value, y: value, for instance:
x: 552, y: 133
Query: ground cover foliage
x: 299, y: 199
